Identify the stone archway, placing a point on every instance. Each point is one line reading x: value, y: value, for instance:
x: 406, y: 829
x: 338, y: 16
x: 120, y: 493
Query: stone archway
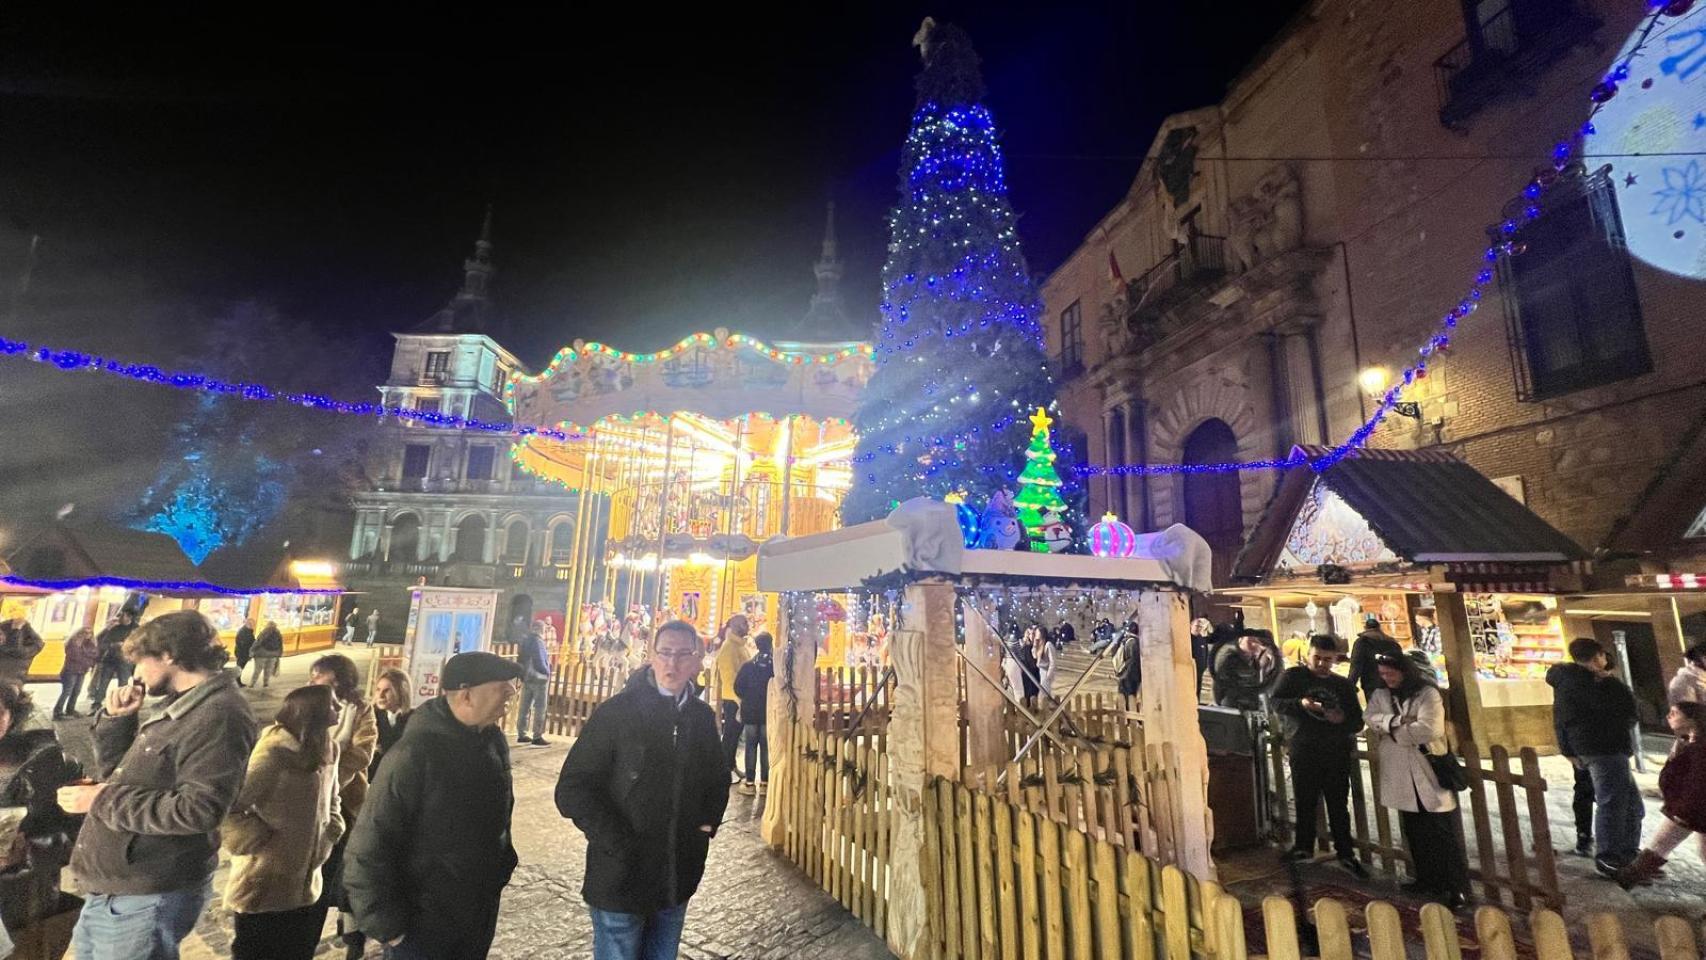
x: 1213, y: 396
x: 1212, y: 502
x: 405, y: 541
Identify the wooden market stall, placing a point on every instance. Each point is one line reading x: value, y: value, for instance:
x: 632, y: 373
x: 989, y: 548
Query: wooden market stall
x: 1446, y: 560
x: 917, y: 552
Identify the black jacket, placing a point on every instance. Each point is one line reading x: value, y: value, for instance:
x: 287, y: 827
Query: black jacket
x: 109, y: 645
x: 645, y: 775
x: 268, y: 643
x: 1309, y: 730
x: 1368, y: 645
x: 752, y: 686
x: 390, y: 732
x: 1592, y: 714
x: 32, y: 769
x: 244, y: 644
x: 19, y: 645
x: 431, y: 851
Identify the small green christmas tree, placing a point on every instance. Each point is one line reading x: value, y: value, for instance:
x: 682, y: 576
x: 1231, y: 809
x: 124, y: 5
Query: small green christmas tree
x: 1039, y: 482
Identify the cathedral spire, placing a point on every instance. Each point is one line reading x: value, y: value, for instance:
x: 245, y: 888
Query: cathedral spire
x: 476, y: 272
x: 470, y: 311
x: 825, y: 312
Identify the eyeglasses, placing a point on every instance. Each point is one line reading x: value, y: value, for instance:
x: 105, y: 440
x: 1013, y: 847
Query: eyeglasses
x: 676, y: 654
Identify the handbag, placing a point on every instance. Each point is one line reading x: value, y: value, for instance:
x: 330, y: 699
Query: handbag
x: 1448, y: 770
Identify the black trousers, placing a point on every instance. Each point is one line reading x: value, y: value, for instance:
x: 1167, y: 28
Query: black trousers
x: 1322, y: 772
x: 1581, y: 803
x: 281, y: 935
x: 1436, y: 851
x: 732, y: 728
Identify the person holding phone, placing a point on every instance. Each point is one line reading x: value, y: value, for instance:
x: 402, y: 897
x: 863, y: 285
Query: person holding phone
x: 150, y: 841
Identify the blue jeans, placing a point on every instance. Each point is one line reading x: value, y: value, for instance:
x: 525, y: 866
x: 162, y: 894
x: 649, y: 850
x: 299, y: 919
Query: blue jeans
x: 1618, y: 808
x: 757, y: 753
x: 534, y: 694
x: 635, y: 936
x: 138, y: 927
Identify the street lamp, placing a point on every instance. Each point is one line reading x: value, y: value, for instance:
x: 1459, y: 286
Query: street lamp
x: 1374, y: 381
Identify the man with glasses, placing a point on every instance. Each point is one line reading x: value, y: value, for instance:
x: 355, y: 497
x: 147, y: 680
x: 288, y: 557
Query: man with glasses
x: 647, y: 783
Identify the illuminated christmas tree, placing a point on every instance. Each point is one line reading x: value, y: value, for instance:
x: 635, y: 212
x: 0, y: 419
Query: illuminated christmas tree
x: 1039, y: 482
x: 960, y: 358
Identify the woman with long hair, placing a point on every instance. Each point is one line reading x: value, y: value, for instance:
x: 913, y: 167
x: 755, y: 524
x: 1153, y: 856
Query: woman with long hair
x: 357, y: 733
x: 391, y: 705
x: 282, y: 829
x: 1406, y: 722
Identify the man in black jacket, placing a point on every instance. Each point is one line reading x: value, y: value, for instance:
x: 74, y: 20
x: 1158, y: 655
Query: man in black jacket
x: 1563, y: 678
x: 431, y: 854
x: 110, y: 664
x: 1323, y: 707
x: 647, y: 783
x: 1598, y: 718
x: 1371, y: 644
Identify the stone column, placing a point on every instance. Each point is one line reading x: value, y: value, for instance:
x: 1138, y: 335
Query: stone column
x: 1113, y: 446
x: 1169, y: 709
x: 490, y: 553
x: 924, y: 734
x: 1136, y: 451
x: 986, y: 743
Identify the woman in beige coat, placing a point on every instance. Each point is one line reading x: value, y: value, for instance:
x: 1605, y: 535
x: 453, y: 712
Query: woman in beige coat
x: 356, y: 734
x: 281, y: 830
x: 1406, y: 723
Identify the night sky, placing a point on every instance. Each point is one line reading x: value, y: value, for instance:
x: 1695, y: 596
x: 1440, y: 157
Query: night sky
x: 652, y: 174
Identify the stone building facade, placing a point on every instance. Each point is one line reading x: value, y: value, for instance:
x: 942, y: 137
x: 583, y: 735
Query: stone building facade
x: 1279, y: 248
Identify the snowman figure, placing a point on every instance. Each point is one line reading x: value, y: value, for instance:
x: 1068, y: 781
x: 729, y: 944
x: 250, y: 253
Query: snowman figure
x: 1001, y: 529
x: 1055, y: 534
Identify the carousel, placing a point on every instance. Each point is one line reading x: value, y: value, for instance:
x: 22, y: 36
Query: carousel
x: 686, y: 460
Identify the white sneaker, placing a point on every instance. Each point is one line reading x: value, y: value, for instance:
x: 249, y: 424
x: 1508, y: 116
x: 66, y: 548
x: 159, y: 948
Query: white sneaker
x: 746, y: 789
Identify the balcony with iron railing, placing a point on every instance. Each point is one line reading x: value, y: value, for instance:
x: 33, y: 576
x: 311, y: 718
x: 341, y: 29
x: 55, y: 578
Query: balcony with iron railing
x: 1194, y: 268
x: 1506, y: 52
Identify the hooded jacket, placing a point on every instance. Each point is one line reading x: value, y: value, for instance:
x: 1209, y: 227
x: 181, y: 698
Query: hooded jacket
x: 1566, y: 680
x: 646, y: 774
x: 431, y: 852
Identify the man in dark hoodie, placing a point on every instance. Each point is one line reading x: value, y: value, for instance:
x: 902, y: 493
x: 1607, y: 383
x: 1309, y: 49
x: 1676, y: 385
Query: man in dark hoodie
x: 1565, y: 679
x: 429, y: 859
x: 647, y: 783
x: 1598, y: 714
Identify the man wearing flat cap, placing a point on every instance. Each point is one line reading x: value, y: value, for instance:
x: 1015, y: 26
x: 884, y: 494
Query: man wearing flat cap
x: 431, y: 853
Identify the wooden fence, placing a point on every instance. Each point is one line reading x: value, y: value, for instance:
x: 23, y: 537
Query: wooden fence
x: 839, y: 819
x: 1510, y: 865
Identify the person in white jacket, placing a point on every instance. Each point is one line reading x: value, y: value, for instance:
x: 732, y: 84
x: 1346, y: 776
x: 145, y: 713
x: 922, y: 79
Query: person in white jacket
x: 1689, y: 684
x: 1406, y: 723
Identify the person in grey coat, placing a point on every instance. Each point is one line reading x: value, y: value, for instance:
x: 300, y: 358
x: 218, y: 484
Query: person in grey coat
x: 150, y: 841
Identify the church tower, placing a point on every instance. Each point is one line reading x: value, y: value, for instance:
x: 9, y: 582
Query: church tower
x: 827, y: 313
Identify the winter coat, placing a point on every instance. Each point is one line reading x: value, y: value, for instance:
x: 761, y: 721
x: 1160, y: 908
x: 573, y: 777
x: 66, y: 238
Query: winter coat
x: 1689, y: 685
x: 1566, y: 681
x: 268, y: 643
x: 390, y: 730
x: 1405, y: 773
x: 533, y: 657
x: 431, y: 853
x: 752, y: 685
x: 171, y: 779
x: 19, y: 644
x: 1308, y: 730
x: 1369, y: 645
x: 32, y: 769
x: 733, y: 655
x: 245, y: 645
x: 109, y: 643
x: 282, y: 827
x: 357, y: 734
x: 1046, y: 669
x: 646, y: 774
x: 1598, y: 712
x: 1682, y: 784
x: 80, y: 653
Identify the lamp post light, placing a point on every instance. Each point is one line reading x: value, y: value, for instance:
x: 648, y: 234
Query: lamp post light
x: 1374, y: 382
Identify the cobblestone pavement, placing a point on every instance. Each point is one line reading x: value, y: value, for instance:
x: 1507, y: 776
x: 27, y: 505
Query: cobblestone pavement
x: 752, y: 905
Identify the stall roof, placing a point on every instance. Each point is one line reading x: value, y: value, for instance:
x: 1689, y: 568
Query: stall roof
x: 1670, y: 513
x: 846, y: 558
x: 61, y: 552
x: 1425, y: 506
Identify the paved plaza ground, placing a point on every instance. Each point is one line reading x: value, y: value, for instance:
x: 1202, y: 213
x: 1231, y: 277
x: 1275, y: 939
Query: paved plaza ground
x: 754, y: 904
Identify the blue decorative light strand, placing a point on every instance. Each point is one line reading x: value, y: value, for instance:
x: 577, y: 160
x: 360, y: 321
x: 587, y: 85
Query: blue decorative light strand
x: 156, y: 586
x: 147, y: 373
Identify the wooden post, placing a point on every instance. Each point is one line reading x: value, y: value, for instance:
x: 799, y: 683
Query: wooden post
x: 1170, y: 717
x: 924, y: 744
x: 792, y: 706
x: 1463, y: 697
x: 986, y: 736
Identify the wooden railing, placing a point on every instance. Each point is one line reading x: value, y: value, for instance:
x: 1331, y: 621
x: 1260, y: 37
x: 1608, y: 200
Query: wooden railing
x: 1509, y: 865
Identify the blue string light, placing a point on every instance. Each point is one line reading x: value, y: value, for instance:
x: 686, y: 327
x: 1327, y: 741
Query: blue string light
x: 157, y: 586
x: 147, y: 373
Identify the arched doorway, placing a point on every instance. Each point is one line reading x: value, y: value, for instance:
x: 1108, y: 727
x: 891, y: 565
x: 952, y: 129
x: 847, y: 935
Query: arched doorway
x: 405, y: 539
x: 515, y: 542
x: 1214, y: 507
x: 471, y: 539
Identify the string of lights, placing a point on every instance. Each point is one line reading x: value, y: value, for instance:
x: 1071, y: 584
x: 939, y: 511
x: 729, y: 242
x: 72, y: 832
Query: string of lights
x: 156, y: 586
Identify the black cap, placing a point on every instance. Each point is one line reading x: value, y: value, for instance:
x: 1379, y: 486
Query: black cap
x: 472, y: 669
